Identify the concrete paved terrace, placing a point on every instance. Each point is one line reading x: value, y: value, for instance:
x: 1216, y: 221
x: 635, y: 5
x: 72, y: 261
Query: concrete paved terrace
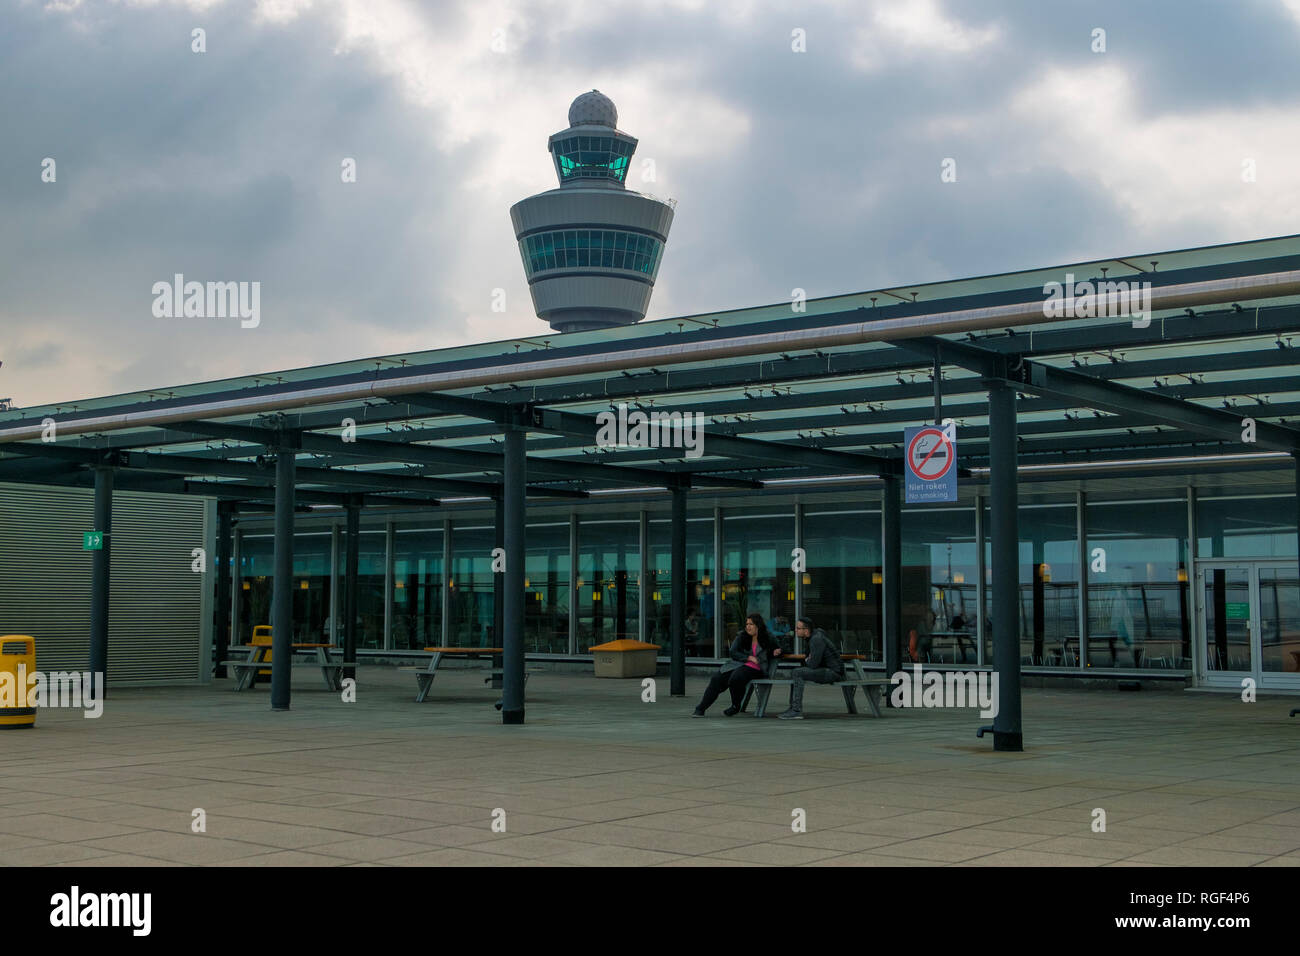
x: 597, y: 777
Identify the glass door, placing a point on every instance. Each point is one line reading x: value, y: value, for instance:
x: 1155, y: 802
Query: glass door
x: 1278, y: 590
x: 1250, y: 623
x: 1226, y: 614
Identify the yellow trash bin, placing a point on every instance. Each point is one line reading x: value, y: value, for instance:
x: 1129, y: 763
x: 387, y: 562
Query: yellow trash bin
x: 17, y: 664
x: 262, y: 635
x: 625, y: 659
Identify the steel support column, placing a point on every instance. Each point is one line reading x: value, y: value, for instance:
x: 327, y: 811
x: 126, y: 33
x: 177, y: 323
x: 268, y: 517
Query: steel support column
x: 282, y: 592
x: 1005, y: 537
x: 352, y: 554
x: 512, y: 683
x: 499, y: 580
x: 221, y: 602
x: 101, y: 561
x: 891, y: 527
x: 677, y: 605
x: 1085, y: 568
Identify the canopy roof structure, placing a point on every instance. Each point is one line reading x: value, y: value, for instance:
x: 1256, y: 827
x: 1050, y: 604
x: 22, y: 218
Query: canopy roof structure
x: 788, y: 393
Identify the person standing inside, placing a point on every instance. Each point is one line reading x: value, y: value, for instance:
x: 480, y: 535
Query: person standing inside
x: 751, y: 653
x: 821, y: 666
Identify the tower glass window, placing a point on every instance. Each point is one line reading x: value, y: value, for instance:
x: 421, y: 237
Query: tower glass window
x: 591, y: 248
x: 593, y: 157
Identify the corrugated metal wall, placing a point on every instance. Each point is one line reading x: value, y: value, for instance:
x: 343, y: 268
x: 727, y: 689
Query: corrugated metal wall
x: 156, y: 601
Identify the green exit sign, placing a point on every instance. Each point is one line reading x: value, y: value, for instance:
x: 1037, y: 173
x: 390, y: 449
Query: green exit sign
x: 1237, y: 610
x: 92, y: 541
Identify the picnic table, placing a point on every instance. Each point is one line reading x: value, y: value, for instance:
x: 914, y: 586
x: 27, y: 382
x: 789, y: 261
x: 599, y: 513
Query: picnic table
x: 424, y: 678
x: 258, y: 659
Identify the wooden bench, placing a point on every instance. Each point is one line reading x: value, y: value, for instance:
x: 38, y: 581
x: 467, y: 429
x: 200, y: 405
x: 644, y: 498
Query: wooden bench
x: 762, y: 687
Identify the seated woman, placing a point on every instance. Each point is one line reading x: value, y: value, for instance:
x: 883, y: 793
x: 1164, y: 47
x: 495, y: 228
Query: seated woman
x: 751, y: 652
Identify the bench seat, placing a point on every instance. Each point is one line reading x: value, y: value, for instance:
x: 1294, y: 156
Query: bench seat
x: 855, y: 676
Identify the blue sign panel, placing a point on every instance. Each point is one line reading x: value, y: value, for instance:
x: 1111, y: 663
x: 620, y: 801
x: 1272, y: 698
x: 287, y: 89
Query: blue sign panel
x: 931, y: 456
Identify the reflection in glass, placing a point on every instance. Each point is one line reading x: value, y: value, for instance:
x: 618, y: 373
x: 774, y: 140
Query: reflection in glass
x: 1138, y: 614
x: 1227, y: 619
x: 417, y: 589
x: 756, y: 575
x: 609, y: 565
x: 1279, y: 610
x: 843, y: 590
x: 546, y: 586
x: 700, y: 582
x: 472, y: 587
x: 938, y: 578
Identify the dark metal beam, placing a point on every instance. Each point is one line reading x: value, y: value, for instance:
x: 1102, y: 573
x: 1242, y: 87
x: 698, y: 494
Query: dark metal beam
x: 1079, y: 389
x: 401, y: 448
x: 282, y: 586
x: 891, y: 511
x: 101, y: 563
x: 221, y: 597
x: 512, y: 677
x: 677, y: 596
x: 586, y: 427
x: 352, y: 546
x: 1007, y: 730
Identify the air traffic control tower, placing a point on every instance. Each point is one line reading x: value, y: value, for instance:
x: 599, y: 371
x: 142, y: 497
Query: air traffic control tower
x: 591, y: 248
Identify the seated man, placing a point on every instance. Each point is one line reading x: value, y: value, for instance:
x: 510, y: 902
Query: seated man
x: 821, y: 666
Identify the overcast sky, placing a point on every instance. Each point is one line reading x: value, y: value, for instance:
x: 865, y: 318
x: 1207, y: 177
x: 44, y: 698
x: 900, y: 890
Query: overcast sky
x: 818, y: 169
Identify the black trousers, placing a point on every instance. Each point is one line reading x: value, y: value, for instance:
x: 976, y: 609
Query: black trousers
x: 818, y: 675
x: 734, y: 680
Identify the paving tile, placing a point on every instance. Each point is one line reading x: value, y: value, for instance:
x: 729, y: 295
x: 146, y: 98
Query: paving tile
x: 777, y: 854
x: 175, y: 847
x: 613, y: 856
x: 594, y: 780
x: 1025, y: 857
x: 528, y: 847
x: 285, y: 858
x: 46, y: 854
x: 1191, y: 856
x: 60, y: 829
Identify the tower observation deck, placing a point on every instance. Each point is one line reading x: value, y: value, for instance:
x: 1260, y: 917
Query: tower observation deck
x: 592, y: 247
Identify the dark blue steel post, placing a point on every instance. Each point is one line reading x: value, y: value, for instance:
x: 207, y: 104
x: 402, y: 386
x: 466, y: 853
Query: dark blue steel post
x: 891, y: 513
x: 352, y: 554
x: 677, y: 598
x: 282, y: 593
x: 512, y: 677
x: 99, y: 568
x: 225, y: 523
x: 1005, y: 537
x: 499, y: 586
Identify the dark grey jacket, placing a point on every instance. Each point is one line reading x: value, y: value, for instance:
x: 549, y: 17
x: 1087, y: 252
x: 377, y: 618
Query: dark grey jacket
x: 823, y: 653
x: 739, y: 654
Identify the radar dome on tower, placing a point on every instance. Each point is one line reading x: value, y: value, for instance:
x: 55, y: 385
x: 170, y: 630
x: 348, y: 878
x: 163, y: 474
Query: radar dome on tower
x: 593, y: 109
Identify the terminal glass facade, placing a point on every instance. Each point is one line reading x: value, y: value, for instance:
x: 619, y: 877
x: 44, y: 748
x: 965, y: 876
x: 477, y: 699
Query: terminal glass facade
x: 417, y: 588
x: 609, y: 572
x: 842, y: 586
x: 756, y: 569
x: 1126, y: 596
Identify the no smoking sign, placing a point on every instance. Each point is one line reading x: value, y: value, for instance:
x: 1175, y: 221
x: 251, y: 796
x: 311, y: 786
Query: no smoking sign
x: 931, y: 456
